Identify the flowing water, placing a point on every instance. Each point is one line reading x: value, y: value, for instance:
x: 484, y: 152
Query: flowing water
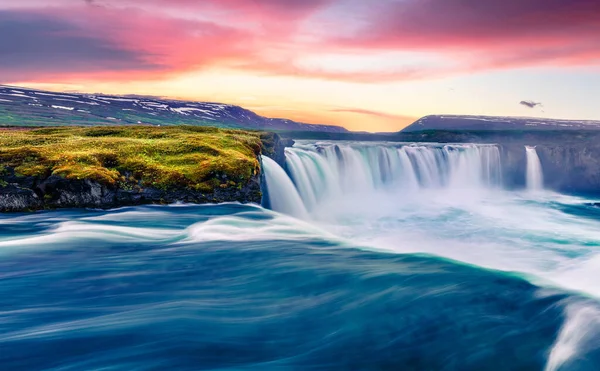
x: 377, y: 256
x: 535, y: 175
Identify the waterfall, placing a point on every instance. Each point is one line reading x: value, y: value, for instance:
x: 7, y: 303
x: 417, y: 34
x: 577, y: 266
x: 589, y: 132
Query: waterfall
x: 535, y: 176
x: 281, y: 192
x: 325, y: 170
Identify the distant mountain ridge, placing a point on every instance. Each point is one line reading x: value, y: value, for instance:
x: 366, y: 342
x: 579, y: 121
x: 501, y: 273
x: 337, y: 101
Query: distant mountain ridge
x: 30, y: 107
x: 458, y: 122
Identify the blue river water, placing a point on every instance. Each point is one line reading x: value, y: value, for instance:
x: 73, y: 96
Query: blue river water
x: 377, y: 258
x: 240, y: 287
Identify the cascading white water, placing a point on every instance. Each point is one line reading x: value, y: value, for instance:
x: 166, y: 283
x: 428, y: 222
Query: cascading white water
x: 281, y: 192
x: 446, y: 200
x: 535, y: 176
x: 449, y: 201
x: 327, y: 170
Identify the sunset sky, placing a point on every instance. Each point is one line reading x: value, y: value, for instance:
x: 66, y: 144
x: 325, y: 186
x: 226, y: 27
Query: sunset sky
x: 373, y: 65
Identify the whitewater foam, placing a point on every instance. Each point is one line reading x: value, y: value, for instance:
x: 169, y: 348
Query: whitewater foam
x: 325, y: 171
x: 577, y: 336
x: 281, y: 192
x: 535, y: 176
x: 447, y: 201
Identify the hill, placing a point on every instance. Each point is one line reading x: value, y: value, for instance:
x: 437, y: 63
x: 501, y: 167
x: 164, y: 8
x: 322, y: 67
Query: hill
x: 28, y: 107
x: 455, y: 122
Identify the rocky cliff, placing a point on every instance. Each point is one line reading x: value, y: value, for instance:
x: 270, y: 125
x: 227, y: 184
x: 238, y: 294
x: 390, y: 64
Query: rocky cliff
x: 567, y: 168
x: 48, y: 190
x: 35, y: 193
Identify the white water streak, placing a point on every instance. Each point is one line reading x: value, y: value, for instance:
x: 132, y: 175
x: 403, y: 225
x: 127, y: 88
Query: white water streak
x: 445, y: 200
x: 327, y: 171
x: 576, y: 336
x: 282, y: 194
x: 535, y: 177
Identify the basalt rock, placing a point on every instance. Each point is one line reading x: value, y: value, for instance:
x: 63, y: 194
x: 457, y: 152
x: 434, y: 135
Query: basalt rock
x: 56, y: 192
x: 28, y: 193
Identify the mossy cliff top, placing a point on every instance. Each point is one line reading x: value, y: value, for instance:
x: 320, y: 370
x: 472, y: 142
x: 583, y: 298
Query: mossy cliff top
x: 181, y: 157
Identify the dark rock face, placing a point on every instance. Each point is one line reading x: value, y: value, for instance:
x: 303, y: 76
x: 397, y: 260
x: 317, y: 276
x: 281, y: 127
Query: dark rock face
x: 19, y: 193
x: 56, y: 192
x: 15, y: 198
x: 566, y: 167
x: 570, y: 168
x: 274, y: 147
x: 279, y: 150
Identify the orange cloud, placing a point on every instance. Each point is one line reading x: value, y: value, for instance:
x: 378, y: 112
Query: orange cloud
x: 373, y: 113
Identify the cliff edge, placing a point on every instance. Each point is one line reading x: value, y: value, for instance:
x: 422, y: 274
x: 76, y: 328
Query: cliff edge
x: 108, y: 167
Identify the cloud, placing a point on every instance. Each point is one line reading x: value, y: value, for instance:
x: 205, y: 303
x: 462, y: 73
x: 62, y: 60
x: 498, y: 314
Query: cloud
x: 142, y: 44
x: 96, y: 42
x: 282, y: 7
x: 148, y: 39
x: 530, y: 103
x: 498, y: 34
x: 372, y: 113
x: 31, y: 42
x: 473, y: 22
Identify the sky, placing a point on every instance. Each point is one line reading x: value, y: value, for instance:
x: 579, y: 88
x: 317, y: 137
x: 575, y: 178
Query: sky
x: 374, y: 65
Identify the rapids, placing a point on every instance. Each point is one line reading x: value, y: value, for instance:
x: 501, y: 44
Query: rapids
x: 374, y: 256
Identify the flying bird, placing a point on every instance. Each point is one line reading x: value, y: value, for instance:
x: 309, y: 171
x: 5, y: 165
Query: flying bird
x: 530, y: 103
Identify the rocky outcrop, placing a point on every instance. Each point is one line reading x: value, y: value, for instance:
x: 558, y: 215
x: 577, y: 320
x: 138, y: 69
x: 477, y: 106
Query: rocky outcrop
x: 32, y: 193
x: 274, y: 146
x: 571, y: 168
x: 19, y: 193
x: 567, y: 167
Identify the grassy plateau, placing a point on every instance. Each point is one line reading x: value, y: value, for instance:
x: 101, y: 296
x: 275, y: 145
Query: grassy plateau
x: 189, y: 157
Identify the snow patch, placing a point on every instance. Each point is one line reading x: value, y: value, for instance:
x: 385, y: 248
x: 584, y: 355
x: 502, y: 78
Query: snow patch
x: 18, y: 95
x: 63, y: 107
x: 54, y: 95
x: 99, y: 100
x: 119, y: 99
x: 186, y: 110
x: 156, y: 105
x: 77, y: 101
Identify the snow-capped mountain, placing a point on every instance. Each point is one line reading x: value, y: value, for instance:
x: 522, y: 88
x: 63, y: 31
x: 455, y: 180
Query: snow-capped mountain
x: 455, y: 122
x: 21, y: 106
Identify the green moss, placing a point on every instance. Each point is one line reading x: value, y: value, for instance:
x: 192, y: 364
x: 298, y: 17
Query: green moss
x: 3, y: 183
x: 191, y: 157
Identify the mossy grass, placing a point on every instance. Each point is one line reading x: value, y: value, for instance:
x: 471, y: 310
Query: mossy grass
x: 190, y: 157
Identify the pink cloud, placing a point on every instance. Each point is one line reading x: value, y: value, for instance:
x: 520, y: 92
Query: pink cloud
x: 497, y: 34
x: 135, y: 39
x: 97, y: 41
